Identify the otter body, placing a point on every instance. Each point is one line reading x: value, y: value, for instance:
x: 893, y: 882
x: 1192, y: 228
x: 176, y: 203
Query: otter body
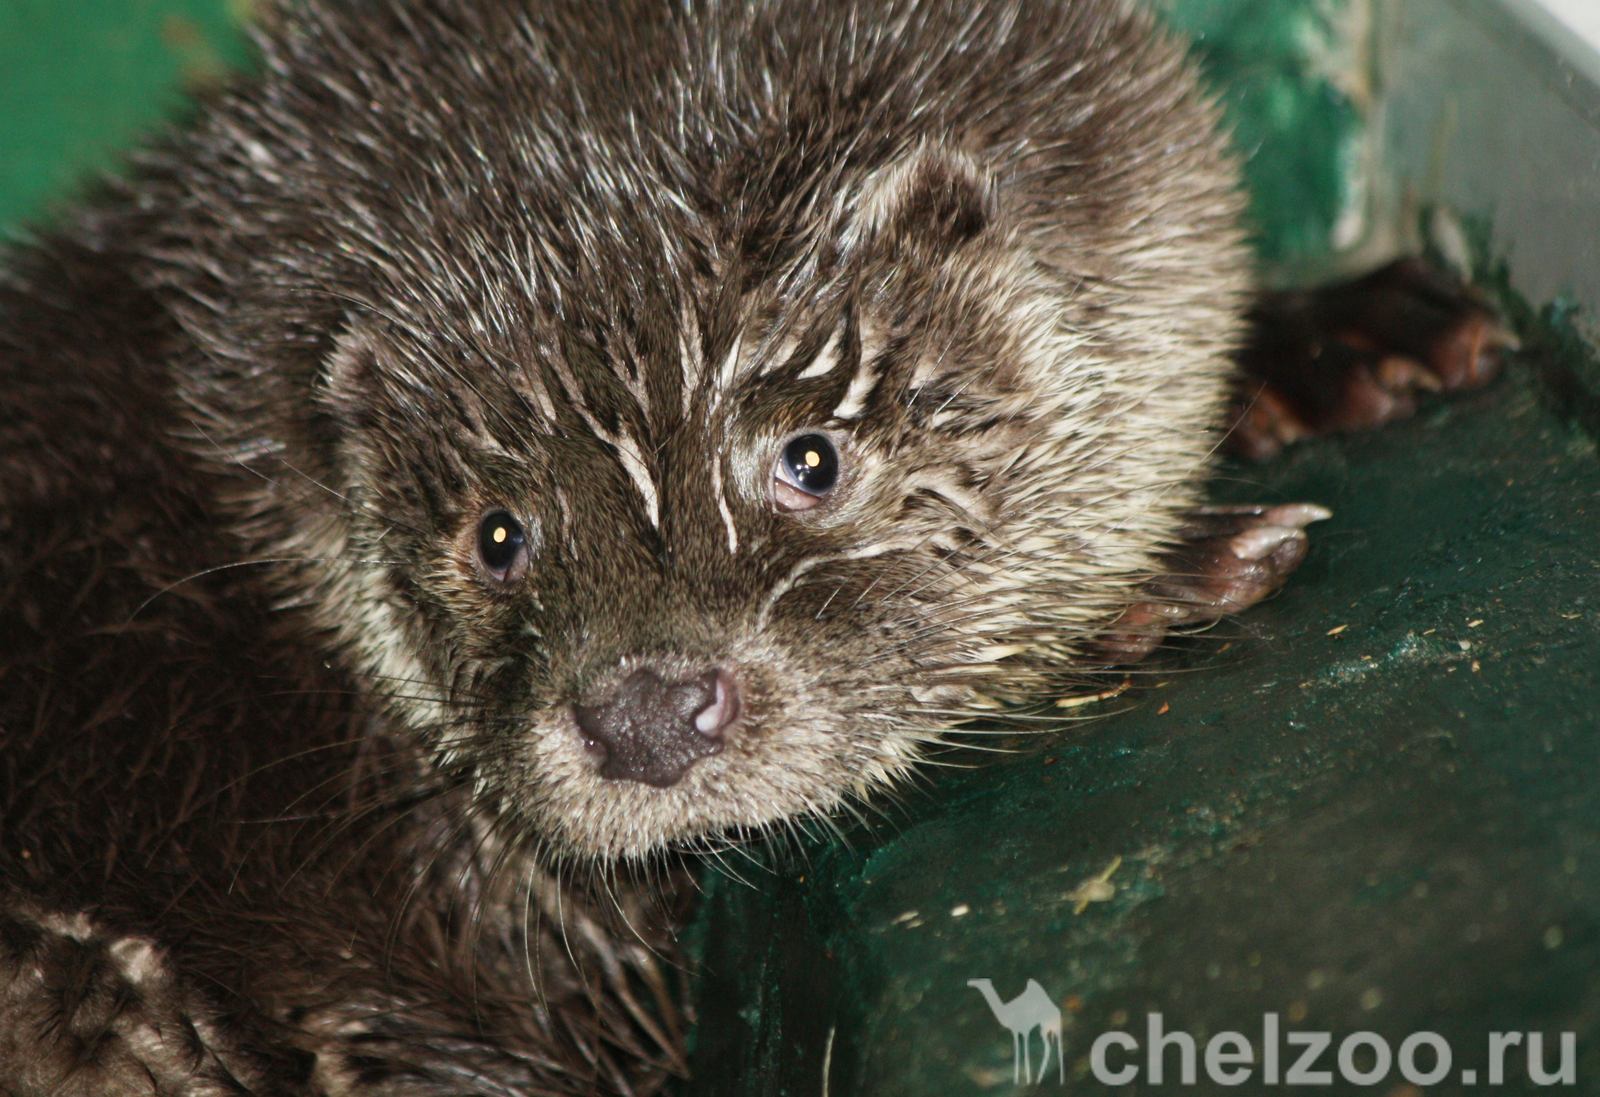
x: 502, y: 441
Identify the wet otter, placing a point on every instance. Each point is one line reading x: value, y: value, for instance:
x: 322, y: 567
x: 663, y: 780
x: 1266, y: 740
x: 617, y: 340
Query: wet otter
x: 502, y: 441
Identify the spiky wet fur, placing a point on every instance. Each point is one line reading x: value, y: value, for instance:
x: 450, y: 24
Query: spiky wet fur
x: 591, y: 264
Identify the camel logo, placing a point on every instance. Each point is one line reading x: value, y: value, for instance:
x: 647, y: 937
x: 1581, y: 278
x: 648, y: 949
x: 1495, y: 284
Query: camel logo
x: 1032, y: 1009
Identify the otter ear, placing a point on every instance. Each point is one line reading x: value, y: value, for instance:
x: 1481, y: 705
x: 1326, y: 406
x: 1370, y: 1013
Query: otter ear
x: 365, y: 385
x: 394, y: 443
x: 350, y: 381
x: 369, y: 386
x: 932, y: 196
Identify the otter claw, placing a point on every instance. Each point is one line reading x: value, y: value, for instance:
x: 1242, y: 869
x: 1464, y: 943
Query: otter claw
x: 1256, y: 543
x: 1297, y: 514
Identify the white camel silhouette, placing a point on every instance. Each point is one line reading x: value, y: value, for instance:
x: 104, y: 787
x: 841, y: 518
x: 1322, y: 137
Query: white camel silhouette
x: 1032, y: 1009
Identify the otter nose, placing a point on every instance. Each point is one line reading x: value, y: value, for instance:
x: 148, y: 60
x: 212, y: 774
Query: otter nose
x: 652, y: 730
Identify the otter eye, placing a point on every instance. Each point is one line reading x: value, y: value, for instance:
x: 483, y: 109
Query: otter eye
x: 502, y: 546
x: 807, y: 470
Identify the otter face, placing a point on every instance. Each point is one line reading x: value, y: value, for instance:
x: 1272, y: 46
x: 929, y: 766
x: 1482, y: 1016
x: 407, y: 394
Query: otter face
x: 700, y: 446
x: 719, y: 555
x: 633, y: 632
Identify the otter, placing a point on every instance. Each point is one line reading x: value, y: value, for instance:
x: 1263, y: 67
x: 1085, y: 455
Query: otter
x: 499, y: 446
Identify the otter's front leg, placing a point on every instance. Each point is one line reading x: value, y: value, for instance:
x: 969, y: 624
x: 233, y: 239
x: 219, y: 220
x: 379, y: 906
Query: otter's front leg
x: 1229, y: 559
x: 1351, y: 356
x: 86, y: 1011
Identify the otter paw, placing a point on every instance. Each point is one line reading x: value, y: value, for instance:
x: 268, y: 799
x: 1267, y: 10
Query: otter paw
x: 87, y: 1012
x: 1230, y: 559
x: 1356, y: 355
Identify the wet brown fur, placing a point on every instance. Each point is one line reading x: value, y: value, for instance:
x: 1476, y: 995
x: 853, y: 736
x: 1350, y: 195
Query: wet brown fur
x: 284, y: 779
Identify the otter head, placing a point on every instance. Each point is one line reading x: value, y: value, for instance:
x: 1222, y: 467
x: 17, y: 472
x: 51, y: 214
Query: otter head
x: 721, y: 518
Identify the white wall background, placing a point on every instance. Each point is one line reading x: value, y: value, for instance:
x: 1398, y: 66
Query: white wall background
x: 1582, y: 16
x: 1488, y: 121
x: 1571, y: 27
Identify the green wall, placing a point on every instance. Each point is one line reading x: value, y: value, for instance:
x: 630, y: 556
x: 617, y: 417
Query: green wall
x: 81, y: 79
x: 1296, y: 77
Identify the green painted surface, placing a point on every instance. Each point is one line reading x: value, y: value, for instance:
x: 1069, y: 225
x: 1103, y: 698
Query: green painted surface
x: 81, y: 79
